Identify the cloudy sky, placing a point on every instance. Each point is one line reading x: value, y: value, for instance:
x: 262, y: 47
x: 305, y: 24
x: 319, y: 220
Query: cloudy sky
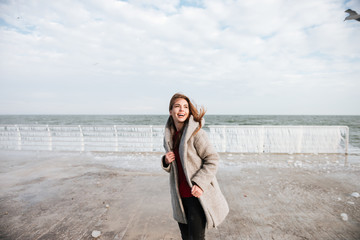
x: 130, y: 57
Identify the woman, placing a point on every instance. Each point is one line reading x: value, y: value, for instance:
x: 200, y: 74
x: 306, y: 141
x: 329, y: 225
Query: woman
x: 191, y: 160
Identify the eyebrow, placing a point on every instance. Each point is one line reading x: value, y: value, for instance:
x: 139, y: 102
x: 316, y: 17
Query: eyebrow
x: 178, y: 104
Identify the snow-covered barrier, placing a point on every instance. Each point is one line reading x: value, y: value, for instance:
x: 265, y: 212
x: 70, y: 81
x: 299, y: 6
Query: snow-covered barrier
x: 280, y: 139
x: 147, y: 138
x: 115, y: 138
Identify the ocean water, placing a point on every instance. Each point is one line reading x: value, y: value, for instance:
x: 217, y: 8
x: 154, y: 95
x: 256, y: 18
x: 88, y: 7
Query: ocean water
x: 353, y: 122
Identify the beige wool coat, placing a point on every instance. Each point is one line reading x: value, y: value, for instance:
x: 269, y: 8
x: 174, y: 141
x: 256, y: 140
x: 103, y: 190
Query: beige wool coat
x: 199, y: 160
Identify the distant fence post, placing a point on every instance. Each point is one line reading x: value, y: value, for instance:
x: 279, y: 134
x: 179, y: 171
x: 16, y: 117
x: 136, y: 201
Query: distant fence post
x: 50, y: 138
x: 116, y: 139
x: 224, y: 139
x: 151, y: 138
x: 81, y: 139
x: 347, y: 141
x: 19, y: 137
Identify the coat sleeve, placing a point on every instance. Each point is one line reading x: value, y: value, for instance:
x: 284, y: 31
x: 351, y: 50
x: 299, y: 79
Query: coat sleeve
x: 209, y: 157
x: 165, y: 166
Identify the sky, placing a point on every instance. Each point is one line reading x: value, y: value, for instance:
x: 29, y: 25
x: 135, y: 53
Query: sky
x: 129, y: 57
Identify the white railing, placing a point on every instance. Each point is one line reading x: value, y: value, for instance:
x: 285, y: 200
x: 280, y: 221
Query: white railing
x: 146, y: 138
x: 116, y: 138
x: 280, y: 139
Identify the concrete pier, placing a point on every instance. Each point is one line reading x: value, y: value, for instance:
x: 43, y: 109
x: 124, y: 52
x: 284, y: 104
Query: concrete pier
x: 49, y: 195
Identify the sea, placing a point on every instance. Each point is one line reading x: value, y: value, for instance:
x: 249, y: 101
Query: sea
x: 353, y: 122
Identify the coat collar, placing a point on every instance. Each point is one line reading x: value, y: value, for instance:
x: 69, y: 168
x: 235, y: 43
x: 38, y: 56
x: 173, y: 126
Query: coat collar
x: 189, y: 128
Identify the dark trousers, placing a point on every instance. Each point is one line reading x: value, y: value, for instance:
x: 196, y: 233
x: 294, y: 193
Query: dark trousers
x: 196, y: 220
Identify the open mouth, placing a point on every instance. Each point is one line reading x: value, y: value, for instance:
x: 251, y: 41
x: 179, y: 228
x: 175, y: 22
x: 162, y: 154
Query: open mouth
x: 181, y: 115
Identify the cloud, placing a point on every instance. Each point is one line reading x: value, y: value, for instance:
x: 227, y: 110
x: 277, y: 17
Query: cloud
x: 225, y: 54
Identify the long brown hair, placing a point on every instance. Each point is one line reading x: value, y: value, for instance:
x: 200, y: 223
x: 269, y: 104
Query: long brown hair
x: 197, y: 114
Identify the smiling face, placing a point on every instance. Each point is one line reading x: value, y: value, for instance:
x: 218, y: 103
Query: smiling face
x: 180, y: 112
